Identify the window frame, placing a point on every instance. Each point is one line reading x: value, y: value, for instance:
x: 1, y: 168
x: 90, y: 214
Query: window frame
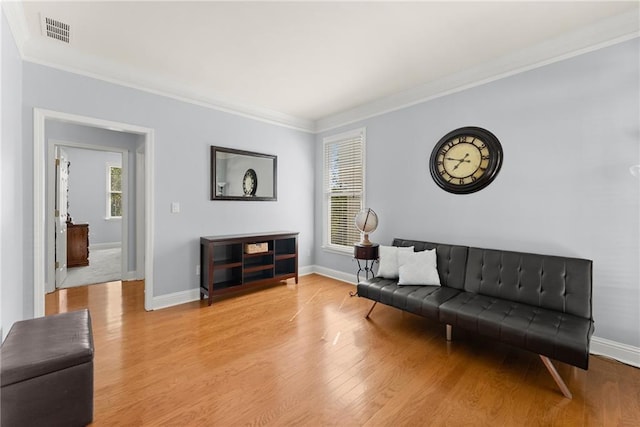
x: 109, y: 192
x: 326, y: 194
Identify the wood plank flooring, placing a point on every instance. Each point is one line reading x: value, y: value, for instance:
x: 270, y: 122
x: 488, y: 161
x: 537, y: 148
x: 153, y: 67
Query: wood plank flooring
x: 305, y: 355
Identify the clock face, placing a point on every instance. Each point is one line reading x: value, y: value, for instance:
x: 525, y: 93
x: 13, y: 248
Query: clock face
x: 250, y: 183
x: 466, y: 160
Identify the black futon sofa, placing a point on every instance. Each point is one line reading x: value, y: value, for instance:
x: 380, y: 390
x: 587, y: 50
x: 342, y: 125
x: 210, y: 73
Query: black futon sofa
x: 536, y: 302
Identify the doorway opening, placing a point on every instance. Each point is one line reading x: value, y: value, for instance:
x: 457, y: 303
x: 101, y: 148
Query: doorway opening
x: 141, y: 155
x: 90, y: 213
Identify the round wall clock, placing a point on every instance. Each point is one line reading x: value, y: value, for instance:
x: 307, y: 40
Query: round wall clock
x: 250, y: 183
x: 466, y: 160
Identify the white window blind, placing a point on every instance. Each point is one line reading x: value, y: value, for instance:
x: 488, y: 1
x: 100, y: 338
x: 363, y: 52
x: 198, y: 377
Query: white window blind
x: 343, y: 187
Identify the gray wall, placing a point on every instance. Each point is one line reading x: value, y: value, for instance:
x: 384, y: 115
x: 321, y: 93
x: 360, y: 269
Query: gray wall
x: 16, y: 251
x: 569, y: 131
x: 183, y: 135
x: 87, y: 193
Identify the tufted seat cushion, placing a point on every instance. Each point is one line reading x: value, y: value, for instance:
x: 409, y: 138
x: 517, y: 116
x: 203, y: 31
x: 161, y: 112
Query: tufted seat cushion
x: 421, y: 300
x: 558, y: 335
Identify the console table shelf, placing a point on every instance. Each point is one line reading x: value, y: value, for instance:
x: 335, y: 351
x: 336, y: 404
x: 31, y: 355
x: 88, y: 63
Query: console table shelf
x: 258, y: 268
x: 227, y: 268
x: 228, y: 265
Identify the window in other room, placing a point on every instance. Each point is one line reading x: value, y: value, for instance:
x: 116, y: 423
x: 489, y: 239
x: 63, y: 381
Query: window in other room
x: 114, y: 191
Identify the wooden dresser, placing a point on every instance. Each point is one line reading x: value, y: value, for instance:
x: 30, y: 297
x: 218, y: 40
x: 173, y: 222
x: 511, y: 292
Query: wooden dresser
x: 77, y: 245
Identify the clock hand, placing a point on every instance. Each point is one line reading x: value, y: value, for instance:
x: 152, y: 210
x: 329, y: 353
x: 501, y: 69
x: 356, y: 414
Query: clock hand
x: 460, y: 161
x: 457, y: 160
x: 464, y: 159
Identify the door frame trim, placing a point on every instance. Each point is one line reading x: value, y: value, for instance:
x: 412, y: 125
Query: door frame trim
x: 39, y: 201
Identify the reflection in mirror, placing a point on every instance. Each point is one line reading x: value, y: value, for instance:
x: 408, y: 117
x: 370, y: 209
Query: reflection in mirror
x: 242, y: 175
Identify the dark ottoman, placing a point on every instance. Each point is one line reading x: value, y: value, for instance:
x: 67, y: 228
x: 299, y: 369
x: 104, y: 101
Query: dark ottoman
x: 47, y: 371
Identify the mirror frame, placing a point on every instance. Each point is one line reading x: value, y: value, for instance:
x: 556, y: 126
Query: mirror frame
x: 214, y: 196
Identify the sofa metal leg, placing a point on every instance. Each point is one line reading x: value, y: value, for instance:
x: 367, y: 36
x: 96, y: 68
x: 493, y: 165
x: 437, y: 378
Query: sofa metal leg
x: 370, y: 310
x: 556, y: 376
x: 449, y: 329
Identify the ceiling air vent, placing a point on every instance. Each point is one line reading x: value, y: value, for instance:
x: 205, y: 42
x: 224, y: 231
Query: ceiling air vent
x: 55, y: 29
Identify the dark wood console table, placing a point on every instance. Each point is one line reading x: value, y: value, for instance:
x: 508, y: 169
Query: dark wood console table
x: 227, y: 267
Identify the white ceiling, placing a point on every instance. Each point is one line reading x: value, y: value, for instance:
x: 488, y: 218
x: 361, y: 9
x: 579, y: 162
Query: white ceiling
x: 314, y: 65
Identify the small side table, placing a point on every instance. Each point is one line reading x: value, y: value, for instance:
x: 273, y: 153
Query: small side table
x: 367, y: 254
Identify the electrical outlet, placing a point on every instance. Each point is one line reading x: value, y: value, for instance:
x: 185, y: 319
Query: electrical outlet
x: 197, y: 270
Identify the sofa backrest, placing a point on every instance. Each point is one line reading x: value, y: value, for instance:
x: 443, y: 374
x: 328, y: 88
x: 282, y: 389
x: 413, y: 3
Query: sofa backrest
x: 557, y: 283
x: 451, y: 259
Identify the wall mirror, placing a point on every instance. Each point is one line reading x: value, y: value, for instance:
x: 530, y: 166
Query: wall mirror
x: 243, y: 175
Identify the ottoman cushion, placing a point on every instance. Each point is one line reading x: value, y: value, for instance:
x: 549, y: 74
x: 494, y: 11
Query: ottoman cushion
x: 37, y: 347
x: 47, y: 372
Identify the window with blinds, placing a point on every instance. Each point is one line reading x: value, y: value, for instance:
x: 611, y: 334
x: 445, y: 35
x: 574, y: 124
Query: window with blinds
x: 343, y: 188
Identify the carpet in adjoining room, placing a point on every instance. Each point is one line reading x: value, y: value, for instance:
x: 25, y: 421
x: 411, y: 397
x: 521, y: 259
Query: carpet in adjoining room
x: 104, y: 266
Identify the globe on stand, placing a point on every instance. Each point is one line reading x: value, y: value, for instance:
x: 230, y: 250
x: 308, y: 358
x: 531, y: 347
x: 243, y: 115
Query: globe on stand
x: 366, y: 221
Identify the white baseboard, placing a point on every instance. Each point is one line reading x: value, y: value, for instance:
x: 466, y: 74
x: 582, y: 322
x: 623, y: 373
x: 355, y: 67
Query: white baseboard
x: 132, y: 275
x: 108, y: 245
x: 622, y: 352
x: 176, y: 298
x: 306, y: 270
x: 335, y: 274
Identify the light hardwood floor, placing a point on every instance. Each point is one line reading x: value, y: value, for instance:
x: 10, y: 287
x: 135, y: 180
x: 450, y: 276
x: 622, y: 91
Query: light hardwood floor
x: 305, y: 355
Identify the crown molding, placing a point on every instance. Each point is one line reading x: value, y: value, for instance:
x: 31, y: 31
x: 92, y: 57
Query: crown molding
x: 14, y: 12
x: 51, y: 54
x: 56, y: 56
x: 602, y: 34
x: 614, y: 30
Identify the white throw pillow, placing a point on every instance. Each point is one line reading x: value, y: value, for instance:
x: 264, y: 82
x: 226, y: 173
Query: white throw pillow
x: 418, y: 268
x: 388, y: 260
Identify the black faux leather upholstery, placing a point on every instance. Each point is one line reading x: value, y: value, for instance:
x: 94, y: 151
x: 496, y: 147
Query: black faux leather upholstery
x: 556, y: 283
x: 540, y: 303
x: 40, y: 346
x: 554, y: 334
x: 422, y: 300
